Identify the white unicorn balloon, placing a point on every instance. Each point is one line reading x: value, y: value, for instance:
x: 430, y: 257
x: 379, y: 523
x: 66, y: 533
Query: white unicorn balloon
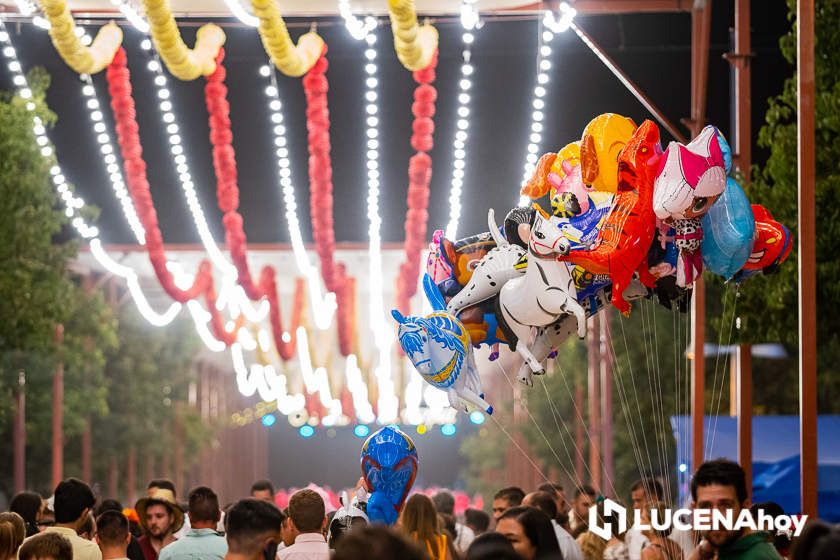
x: 439, y: 347
x: 542, y: 296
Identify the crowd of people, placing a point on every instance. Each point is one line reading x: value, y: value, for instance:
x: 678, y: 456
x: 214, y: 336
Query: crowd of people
x: 542, y: 524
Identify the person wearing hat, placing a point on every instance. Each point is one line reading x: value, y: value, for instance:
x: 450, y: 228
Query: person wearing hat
x: 160, y: 518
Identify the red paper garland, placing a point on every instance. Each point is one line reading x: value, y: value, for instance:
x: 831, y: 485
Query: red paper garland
x: 128, y: 137
x: 315, y: 87
x: 419, y: 177
x: 227, y: 195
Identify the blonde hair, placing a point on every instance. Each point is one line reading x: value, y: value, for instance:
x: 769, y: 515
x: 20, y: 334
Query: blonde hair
x: 420, y: 520
x: 12, y: 533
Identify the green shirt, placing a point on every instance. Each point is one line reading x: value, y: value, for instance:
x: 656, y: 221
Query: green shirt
x: 196, y: 544
x: 754, y: 546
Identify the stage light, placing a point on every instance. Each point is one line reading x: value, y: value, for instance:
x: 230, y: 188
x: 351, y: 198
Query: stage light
x: 361, y: 431
x: 268, y: 420
x: 448, y: 430
x: 683, y: 467
x: 477, y: 417
x: 421, y: 429
x: 306, y: 431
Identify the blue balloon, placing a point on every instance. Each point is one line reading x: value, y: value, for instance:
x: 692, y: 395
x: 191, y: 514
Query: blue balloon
x: 727, y: 152
x: 389, y: 465
x: 728, y: 230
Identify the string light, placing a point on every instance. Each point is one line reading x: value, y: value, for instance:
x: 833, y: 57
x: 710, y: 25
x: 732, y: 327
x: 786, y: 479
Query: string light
x: 459, y: 143
x: 562, y: 21
x: 323, y: 305
x: 538, y: 106
x: 469, y: 15
x: 241, y: 14
x: 359, y: 29
x: 316, y: 380
x: 358, y: 390
x: 263, y: 380
x: 110, y: 161
x: 131, y: 15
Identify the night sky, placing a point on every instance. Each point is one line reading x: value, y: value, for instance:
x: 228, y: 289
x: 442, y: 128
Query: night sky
x: 654, y: 49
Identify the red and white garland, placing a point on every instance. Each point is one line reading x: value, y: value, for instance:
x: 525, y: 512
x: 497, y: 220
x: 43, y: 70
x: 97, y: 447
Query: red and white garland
x: 227, y: 195
x: 419, y: 177
x: 128, y: 137
x: 315, y: 87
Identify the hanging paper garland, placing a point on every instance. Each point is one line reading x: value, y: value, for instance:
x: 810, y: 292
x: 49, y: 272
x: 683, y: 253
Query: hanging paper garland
x: 227, y: 194
x: 128, y: 137
x: 292, y: 60
x: 419, y: 177
x: 416, y: 45
x: 183, y: 62
x: 315, y: 86
x: 82, y: 59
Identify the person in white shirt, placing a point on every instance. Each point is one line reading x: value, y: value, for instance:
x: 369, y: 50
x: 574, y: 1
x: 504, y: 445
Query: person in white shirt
x: 251, y: 526
x: 445, y: 503
x: 643, y: 493
x: 307, y: 524
x: 545, y: 502
x: 112, y: 535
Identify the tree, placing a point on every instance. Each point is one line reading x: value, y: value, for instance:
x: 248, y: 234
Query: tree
x: 769, y: 304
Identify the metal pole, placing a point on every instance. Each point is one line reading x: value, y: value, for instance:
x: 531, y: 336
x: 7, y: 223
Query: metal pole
x: 58, y: 413
x: 594, y: 394
x: 646, y: 101
x: 20, y: 434
x: 742, y: 358
x: 606, y: 399
x: 740, y: 59
x: 807, y: 254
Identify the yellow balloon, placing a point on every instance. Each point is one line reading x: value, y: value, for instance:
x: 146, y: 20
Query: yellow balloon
x: 602, y: 141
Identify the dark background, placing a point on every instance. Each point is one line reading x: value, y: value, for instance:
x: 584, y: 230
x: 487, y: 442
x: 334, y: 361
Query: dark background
x: 654, y: 49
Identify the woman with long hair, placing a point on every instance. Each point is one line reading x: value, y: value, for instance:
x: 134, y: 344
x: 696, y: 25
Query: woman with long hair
x: 12, y: 533
x: 530, y: 532
x: 419, y: 519
x: 29, y: 506
x: 659, y: 546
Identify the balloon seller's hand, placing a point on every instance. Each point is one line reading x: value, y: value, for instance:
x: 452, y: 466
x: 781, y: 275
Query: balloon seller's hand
x: 704, y: 551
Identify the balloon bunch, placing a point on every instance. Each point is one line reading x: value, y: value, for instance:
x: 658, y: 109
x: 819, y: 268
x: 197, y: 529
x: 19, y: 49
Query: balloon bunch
x: 128, y: 137
x: 628, y: 220
x: 419, y: 177
x: 227, y: 194
x: 315, y: 87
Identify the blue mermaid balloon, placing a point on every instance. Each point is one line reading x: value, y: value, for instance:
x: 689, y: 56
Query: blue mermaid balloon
x: 389, y: 467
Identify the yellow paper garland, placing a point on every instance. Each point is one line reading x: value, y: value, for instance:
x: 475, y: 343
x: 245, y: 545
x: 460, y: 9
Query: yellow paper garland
x: 82, y: 59
x: 184, y: 63
x: 292, y: 60
x: 415, y: 44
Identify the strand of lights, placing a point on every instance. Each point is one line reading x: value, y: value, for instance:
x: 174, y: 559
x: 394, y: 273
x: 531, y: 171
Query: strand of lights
x: 241, y: 14
x: 25, y: 7
x: 459, y: 144
x: 106, y: 147
x: 316, y: 381
x: 184, y: 175
x: 382, y: 332
x: 230, y: 293
x: 323, y: 305
x: 131, y: 15
x: 358, y: 28
x: 358, y: 390
x: 266, y: 382
x: 538, y: 105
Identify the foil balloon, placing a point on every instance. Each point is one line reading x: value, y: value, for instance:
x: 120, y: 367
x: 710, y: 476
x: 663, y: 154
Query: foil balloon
x: 728, y: 230
x: 690, y: 177
x: 436, y: 265
x: 389, y: 466
x: 439, y: 347
x: 602, y: 142
x: 771, y: 245
x: 463, y: 256
x: 624, y: 239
